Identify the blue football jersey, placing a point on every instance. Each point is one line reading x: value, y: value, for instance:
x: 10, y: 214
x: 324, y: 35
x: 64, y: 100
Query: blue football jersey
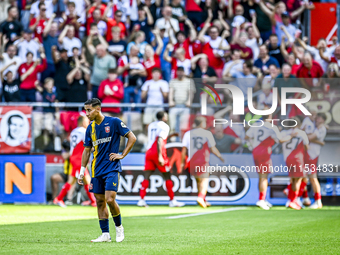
x: 105, y: 139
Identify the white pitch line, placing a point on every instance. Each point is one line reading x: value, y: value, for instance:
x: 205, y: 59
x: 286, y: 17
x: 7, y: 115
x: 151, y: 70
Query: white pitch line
x: 204, y: 213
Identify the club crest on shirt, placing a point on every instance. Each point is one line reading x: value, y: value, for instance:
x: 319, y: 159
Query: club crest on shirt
x: 91, y: 186
x: 123, y: 124
x: 107, y: 129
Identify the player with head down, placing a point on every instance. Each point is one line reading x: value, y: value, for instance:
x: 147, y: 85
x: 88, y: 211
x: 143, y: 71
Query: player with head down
x: 103, y: 134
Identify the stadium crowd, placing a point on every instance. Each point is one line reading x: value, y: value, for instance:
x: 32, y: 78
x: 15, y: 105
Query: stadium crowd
x: 132, y: 51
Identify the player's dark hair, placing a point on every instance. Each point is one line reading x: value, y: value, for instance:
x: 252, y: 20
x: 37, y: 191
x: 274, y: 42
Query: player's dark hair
x: 273, y: 35
x: 291, y: 123
x: 93, y: 102
x: 265, y: 117
x: 160, y: 115
x: 29, y: 53
x: 198, y: 120
x: 9, y: 122
x: 322, y: 115
x: 93, y: 25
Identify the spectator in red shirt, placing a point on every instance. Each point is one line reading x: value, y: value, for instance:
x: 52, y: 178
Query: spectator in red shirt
x: 151, y: 57
x: 310, y: 71
x: 177, y: 60
x: 111, y: 91
x: 71, y: 19
x: 191, y: 45
x: 28, y: 73
x: 114, y: 22
x: 38, y: 24
x: 239, y: 43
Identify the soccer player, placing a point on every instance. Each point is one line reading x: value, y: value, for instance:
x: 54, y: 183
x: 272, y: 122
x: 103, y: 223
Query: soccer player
x: 262, y: 139
x: 103, y: 134
x: 77, y: 138
x: 311, y: 158
x: 197, y: 144
x: 294, y: 144
x: 156, y: 157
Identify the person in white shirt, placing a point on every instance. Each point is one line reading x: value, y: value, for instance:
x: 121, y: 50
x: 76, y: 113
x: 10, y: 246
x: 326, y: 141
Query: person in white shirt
x: 154, y: 91
x: 80, y: 10
x: 27, y: 44
x: 265, y: 99
x: 254, y: 38
x: 164, y: 23
x: 68, y: 41
x: 10, y: 57
x: 234, y: 65
x: 315, y: 51
x: 34, y: 12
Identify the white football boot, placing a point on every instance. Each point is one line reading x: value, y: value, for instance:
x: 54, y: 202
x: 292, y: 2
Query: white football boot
x: 262, y: 204
x: 316, y: 205
x: 142, y: 203
x: 268, y: 204
x: 105, y: 237
x: 175, y: 203
x: 119, y: 234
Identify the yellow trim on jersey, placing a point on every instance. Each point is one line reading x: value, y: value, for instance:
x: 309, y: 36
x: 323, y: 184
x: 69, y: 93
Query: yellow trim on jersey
x: 95, y: 153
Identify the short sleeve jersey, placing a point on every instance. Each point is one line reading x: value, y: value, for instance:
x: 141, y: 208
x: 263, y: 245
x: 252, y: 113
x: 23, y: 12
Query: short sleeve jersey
x: 105, y: 138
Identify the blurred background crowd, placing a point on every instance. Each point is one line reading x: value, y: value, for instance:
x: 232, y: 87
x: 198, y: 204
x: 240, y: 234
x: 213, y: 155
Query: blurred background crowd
x: 157, y: 52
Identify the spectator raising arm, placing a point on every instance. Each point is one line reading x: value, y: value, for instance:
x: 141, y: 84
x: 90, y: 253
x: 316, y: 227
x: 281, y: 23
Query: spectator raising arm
x: 223, y: 22
x: 166, y: 56
x: 284, y: 52
x: 159, y: 40
x: 148, y: 15
x: 29, y: 71
x: 225, y: 34
x: 192, y: 30
x: 195, y: 59
x: 89, y: 44
x: 63, y: 34
x: 205, y: 27
x: 4, y: 68
x: 48, y: 25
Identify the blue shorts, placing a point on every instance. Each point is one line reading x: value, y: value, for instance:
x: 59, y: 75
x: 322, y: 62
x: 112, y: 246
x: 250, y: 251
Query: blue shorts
x: 102, y: 183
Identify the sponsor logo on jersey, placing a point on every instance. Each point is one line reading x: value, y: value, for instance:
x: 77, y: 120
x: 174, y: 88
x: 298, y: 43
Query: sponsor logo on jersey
x: 123, y: 124
x: 102, y: 140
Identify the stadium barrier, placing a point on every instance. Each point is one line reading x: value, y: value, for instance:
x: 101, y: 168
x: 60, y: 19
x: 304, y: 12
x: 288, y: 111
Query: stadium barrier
x: 22, y: 179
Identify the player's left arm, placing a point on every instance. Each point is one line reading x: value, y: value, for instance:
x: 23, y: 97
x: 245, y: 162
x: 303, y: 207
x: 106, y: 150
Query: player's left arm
x: 131, y: 141
x: 159, y: 151
x: 217, y: 153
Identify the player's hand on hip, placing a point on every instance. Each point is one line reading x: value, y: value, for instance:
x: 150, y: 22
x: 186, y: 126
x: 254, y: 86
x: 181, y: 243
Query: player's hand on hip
x: 161, y: 161
x: 80, y: 179
x: 114, y: 156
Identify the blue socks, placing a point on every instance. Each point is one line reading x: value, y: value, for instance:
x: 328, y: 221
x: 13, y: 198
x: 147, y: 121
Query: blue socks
x: 118, y: 220
x: 104, y: 225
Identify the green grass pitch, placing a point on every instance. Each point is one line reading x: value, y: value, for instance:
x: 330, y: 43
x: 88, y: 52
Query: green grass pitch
x: 29, y: 229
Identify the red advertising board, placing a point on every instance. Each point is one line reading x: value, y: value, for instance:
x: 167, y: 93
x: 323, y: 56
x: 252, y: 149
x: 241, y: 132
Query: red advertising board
x: 15, y: 129
x: 323, y: 22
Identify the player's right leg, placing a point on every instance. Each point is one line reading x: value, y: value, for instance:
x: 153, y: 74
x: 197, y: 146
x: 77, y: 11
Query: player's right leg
x: 202, y: 187
x: 317, y: 191
x: 263, y: 185
x: 98, y: 188
x: 149, y: 168
x: 293, y: 194
x: 59, y: 200
x: 169, y: 187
